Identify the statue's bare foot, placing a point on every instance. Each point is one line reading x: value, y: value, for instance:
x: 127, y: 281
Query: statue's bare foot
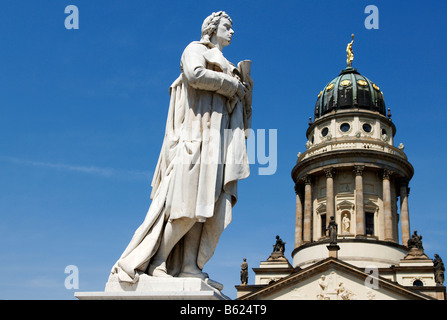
x: 193, y: 272
x: 200, y: 275
x: 158, y: 271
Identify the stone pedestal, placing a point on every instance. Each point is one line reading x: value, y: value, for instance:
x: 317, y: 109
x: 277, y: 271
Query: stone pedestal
x: 333, y: 250
x: 416, y: 254
x: 154, y: 288
x: 274, y: 268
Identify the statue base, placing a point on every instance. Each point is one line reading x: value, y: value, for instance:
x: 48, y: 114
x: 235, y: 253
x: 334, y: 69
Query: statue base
x: 333, y: 250
x: 416, y: 254
x: 156, y: 288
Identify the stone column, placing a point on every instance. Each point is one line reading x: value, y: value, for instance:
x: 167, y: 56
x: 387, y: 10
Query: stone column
x: 298, y: 217
x: 330, y: 205
x: 307, y: 224
x: 387, y: 205
x: 404, y: 213
x: 359, y: 211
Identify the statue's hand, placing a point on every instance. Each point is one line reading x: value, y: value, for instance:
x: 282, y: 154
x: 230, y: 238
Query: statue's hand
x: 241, y: 90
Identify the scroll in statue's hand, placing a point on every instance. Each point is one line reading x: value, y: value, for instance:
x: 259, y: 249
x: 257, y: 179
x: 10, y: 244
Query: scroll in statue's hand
x: 240, y: 94
x: 241, y: 90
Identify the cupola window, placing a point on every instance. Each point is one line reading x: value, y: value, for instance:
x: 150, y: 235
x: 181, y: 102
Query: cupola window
x: 344, y: 127
x: 367, y: 127
x: 325, y: 131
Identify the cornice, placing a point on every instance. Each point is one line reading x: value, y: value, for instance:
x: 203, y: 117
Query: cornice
x: 350, y: 158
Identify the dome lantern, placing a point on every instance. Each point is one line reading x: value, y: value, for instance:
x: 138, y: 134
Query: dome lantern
x: 350, y: 90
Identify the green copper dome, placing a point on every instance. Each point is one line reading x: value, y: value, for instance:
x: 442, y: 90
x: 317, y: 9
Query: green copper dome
x: 350, y: 90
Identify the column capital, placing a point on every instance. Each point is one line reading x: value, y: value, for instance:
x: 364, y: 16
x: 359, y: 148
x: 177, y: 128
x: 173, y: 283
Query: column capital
x: 404, y: 182
x: 298, y: 189
x: 358, y: 170
x: 387, y: 174
x: 307, y: 179
x: 404, y: 188
x: 329, y: 172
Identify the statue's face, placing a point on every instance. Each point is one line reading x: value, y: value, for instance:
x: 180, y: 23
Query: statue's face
x: 224, y: 32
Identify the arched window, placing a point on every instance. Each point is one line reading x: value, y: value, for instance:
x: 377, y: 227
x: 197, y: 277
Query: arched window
x: 418, y: 283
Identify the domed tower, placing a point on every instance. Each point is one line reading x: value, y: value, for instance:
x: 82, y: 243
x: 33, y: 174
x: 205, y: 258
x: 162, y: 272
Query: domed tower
x: 351, y: 208
x: 352, y: 171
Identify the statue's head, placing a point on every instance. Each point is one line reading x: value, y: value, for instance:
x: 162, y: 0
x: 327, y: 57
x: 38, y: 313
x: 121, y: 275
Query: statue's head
x: 219, y: 25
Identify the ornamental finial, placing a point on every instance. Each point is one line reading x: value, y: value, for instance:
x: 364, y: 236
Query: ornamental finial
x: 350, y: 53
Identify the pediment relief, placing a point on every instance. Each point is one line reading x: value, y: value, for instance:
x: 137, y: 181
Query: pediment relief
x: 330, y: 285
x: 333, y: 280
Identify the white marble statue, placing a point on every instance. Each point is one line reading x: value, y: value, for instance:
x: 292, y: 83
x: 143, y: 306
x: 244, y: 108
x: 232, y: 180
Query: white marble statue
x: 346, y: 223
x: 203, y: 156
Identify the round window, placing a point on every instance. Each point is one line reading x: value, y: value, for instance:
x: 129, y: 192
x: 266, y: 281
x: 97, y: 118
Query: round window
x: 324, y: 132
x: 367, y: 127
x: 384, y: 131
x: 344, y: 127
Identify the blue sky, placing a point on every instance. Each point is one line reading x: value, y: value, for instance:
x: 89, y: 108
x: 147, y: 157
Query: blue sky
x: 83, y: 112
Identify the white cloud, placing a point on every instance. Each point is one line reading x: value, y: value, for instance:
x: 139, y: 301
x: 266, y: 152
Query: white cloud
x: 99, y: 171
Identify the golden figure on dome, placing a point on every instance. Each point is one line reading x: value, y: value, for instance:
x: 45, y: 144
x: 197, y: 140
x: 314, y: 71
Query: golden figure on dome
x: 350, y: 53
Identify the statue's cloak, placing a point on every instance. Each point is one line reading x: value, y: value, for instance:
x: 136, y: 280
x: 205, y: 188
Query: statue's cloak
x: 202, y: 157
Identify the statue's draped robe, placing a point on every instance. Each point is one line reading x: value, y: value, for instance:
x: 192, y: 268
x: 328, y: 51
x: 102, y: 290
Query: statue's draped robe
x: 202, y: 157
